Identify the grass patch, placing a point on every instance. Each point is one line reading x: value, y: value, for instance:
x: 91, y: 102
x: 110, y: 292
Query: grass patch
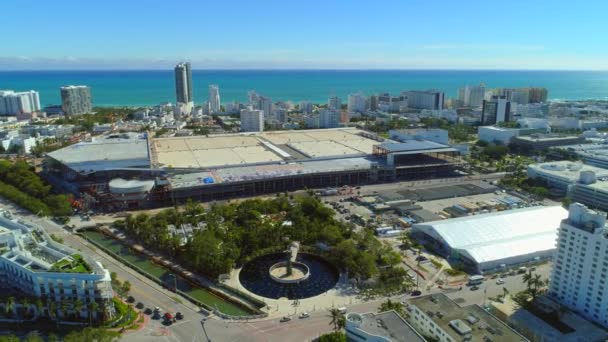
x: 436, y: 263
x: 74, y: 265
x: 452, y: 272
x: 177, y: 299
x: 164, y: 275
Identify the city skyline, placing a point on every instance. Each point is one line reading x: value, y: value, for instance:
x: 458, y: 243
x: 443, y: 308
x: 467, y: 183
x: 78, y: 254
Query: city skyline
x: 314, y: 35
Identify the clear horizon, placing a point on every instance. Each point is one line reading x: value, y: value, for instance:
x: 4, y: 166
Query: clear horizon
x: 314, y: 35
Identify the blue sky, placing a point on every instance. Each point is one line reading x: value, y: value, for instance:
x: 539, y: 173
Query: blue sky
x: 307, y: 34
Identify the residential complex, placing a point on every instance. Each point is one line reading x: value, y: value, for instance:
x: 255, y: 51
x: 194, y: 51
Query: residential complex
x: 329, y: 118
x: 580, y: 271
x: 15, y: 103
x: 31, y: 262
x: 334, y: 103
x: 76, y: 100
x: 252, y: 120
x: 472, y: 96
x: 357, y: 103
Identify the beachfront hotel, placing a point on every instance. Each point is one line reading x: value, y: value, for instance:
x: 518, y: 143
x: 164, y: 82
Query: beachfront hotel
x: 33, y: 264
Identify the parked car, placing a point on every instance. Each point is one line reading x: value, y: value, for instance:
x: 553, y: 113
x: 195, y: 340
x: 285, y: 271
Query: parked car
x: 304, y: 315
x: 139, y: 305
x: 157, y: 309
x: 474, y: 288
x: 130, y: 299
x: 285, y: 319
x: 416, y: 293
x: 148, y: 311
x: 179, y: 316
x: 500, y: 281
x: 169, y: 317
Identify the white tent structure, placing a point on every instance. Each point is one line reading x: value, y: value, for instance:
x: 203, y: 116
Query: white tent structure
x: 488, y: 241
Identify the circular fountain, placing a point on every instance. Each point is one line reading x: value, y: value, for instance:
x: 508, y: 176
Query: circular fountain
x: 293, y: 276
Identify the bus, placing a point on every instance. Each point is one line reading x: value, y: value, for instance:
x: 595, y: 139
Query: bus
x: 475, y: 279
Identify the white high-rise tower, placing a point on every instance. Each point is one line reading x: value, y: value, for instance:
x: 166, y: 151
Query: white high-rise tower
x: 214, y: 99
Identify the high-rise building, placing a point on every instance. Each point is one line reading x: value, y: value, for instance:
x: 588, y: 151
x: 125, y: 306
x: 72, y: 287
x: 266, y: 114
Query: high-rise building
x: 12, y: 103
x: 183, y: 83
x: 329, y: 118
x: 496, y: 110
x: 253, y: 99
x: 472, y: 96
x: 252, y: 120
x: 334, y: 102
x: 214, y: 99
x: 580, y: 266
x: 76, y: 100
x: 538, y: 95
x: 357, y: 103
x: 425, y: 99
x: 306, y: 107
x: 373, y: 103
x: 265, y: 104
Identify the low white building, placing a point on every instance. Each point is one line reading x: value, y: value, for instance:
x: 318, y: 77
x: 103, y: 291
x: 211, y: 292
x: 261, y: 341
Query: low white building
x: 561, y: 174
x: 380, y: 327
x: 492, y: 241
x: 493, y: 134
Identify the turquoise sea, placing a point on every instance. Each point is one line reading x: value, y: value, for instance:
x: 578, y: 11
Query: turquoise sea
x: 150, y: 87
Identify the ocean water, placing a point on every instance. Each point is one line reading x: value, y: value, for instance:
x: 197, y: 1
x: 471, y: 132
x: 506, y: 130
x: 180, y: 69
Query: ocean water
x: 150, y: 87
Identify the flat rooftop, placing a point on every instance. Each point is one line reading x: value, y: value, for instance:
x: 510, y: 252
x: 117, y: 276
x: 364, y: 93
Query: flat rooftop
x: 566, y: 170
x: 390, y: 325
x: 110, y: 152
x: 259, y: 148
x: 255, y: 172
x: 483, y: 326
x: 549, y: 138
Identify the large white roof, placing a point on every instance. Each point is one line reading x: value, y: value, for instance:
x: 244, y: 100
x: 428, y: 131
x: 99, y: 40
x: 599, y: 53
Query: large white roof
x: 499, y: 235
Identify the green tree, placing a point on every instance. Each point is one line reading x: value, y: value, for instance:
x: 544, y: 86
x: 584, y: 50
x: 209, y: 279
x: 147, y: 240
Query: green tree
x: 395, y: 306
x: 336, y: 336
x: 78, y: 306
x: 33, y: 337
x: 39, y: 306
x: 10, y: 305
x: 92, y: 308
x: 9, y: 338
x: 337, y: 319
x: 125, y: 288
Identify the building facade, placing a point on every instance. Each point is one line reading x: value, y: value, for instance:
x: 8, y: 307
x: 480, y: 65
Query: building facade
x: 334, y: 103
x: 34, y: 264
x: 305, y: 107
x: 76, y: 100
x: 252, y: 120
x: 580, y: 264
x: 214, y: 99
x: 498, y: 109
x: 472, y: 96
x: 357, y: 103
x: 16, y: 103
x: 428, y: 99
x: 329, y: 118
x: 183, y: 83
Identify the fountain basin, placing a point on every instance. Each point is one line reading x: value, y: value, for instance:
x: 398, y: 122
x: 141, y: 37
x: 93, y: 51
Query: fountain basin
x: 279, y: 272
x: 255, y: 276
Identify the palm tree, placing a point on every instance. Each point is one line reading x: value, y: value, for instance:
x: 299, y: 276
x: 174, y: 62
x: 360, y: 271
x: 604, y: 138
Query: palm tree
x: 527, y: 278
x: 10, y: 303
x: 78, y: 305
x: 65, y: 307
x: 25, y: 306
x: 52, y: 309
x: 335, y: 318
x: 39, y: 306
x: 93, y: 307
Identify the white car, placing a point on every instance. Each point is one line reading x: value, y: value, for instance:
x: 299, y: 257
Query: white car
x: 304, y: 315
x: 500, y: 281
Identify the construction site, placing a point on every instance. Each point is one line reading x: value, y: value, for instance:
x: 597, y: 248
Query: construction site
x: 133, y: 170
